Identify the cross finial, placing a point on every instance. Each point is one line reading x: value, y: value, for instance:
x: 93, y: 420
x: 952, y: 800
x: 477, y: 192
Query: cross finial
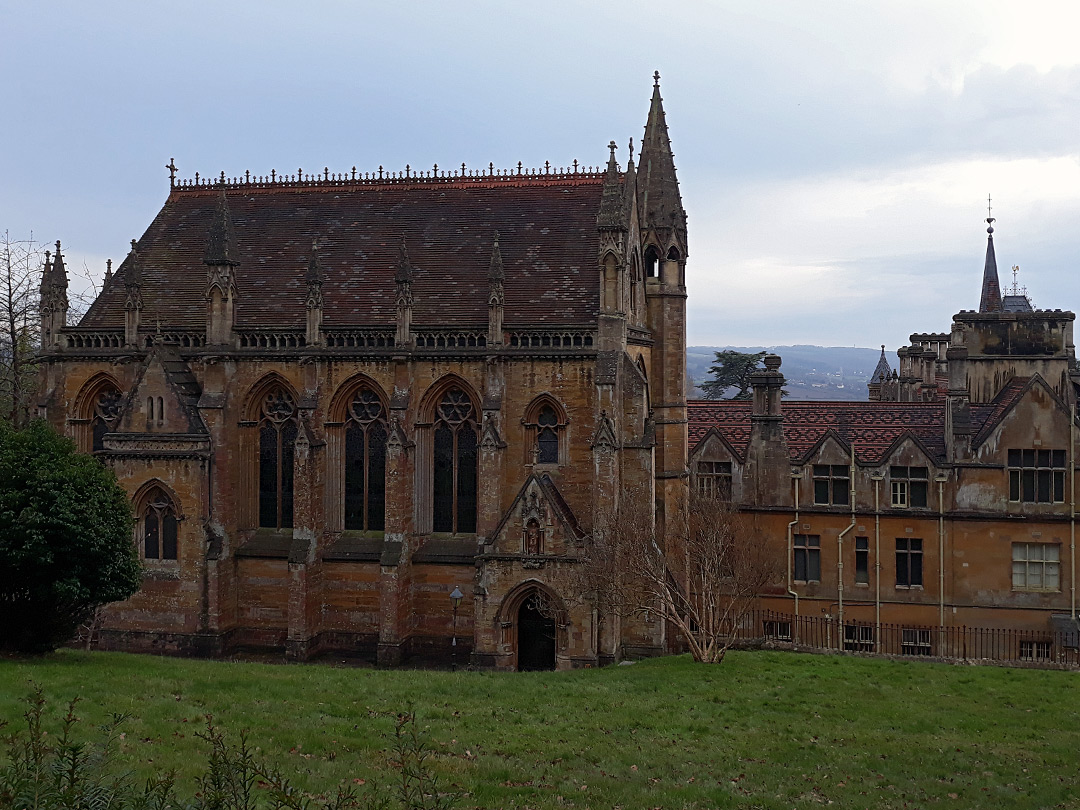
x: 989, y: 219
x: 612, y: 147
x: 631, y: 148
x: 656, y: 78
x: 132, y: 245
x: 171, y: 166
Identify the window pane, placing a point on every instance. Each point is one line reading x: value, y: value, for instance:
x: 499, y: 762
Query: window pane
x: 168, y: 537
x: 100, y: 428
x: 918, y: 494
x: 150, y: 537
x: 821, y: 470
x: 1059, y: 486
x: 288, y: 459
x: 1019, y: 551
x: 1028, y: 485
x: 815, y: 564
x: 862, y: 566
x: 1014, y: 485
x: 1059, y: 458
x: 268, y: 470
x: 800, y: 564
x: 1052, y: 553
x: 917, y: 472
x: 1029, y: 458
x: 466, y: 494
x: 442, y: 505
x: 1043, y: 477
x: 354, y: 477
x: 916, y: 569
x: 547, y: 446
x: 1014, y: 458
x: 1043, y: 458
x: 898, y: 472
x: 1052, y: 571
x: 840, y: 491
x: 821, y: 491
x: 901, y: 568
x: 376, y: 517
x: 840, y: 470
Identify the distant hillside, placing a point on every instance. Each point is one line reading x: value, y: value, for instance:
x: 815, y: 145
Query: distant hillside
x: 813, y: 372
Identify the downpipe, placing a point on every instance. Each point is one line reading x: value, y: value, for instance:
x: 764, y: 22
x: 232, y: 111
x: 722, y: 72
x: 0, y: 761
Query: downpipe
x: 877, y: 479
x: 840, y: 556
x: 795, y: 478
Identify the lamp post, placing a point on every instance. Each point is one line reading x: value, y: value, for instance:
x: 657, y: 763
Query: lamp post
x: 455, y: 599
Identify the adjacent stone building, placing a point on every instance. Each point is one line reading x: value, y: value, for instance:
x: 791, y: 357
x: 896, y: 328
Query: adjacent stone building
x: 338, y: 399
x: 948, y: 500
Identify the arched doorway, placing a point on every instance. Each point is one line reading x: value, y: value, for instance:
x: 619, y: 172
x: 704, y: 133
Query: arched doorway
x: 535, y: 636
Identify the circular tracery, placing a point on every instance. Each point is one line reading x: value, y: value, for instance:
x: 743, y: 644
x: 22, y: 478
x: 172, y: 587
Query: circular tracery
x: 455, y: 406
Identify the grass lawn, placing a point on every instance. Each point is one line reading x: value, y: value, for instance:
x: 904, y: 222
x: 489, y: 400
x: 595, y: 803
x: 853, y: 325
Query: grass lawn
x: 763, y: 729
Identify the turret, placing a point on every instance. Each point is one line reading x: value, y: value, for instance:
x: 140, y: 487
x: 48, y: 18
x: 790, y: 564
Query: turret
x: 133, y: 302
x: 404, y: 299
x: 314, y: 278
x: 613, y: 226
x: 53, y: 306
x: 880, y: 377
x: 660, y: 208
x: 220, y: 264
x: 496, y: 297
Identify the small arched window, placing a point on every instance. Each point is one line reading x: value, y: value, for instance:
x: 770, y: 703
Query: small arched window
x: 277, y: 444
x: 159, y: 527
x: 652, y: 259
x: 365, y: 463
x: 106, y: 412
x: 454, y: 464
x: 547, y: 439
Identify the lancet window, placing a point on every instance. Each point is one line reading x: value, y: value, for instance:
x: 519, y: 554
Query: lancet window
x: 277, y: 442
x: 454, y: 468
x: 159, y: 527
x: 365, y: 463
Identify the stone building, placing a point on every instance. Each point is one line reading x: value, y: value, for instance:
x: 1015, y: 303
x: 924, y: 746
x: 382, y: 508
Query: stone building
x: 949, y: 499
x: 338, y: 399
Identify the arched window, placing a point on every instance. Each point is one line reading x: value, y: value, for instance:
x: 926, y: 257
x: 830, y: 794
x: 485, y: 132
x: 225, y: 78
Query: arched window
x: 454, y: 464
x: 277, y: 442
x: 365, y: 463
x: 547, y: 440
x: 158, y: 526
x: 106, y: 411
x: 544, y: 426
x: 652, y: 259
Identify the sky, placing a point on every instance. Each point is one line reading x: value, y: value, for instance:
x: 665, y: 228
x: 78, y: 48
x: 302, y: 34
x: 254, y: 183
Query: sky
x: 835, y: 158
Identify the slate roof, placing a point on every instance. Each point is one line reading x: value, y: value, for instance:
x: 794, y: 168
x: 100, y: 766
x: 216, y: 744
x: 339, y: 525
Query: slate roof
x: 547, y: 238
x: 874, y: 427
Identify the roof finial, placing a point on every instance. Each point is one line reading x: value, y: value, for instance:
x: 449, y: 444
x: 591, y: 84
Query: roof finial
x: 989, y: 219
x: 656, y: 78
x: 171, y: 166
x: 631, y: 148
x: 611, y: 146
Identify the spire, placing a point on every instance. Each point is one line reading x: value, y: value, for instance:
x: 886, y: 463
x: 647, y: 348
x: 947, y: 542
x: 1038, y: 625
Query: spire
x: 611, y: 207
x: 404, y: 267
x: 660, y: 204
x: 990, y: 300
x: 314, y: 273
x: 46, y: 273
x: 133, y: 271
x: 495, y: 269
x: 59, y: 272
x: 221, y: 246
x: 883, y: 370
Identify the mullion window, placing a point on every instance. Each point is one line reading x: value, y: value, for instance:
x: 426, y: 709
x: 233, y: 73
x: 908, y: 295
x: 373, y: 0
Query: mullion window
x: 1036, y: 476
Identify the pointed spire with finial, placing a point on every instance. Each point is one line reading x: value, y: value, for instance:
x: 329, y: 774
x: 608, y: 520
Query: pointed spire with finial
x: 221, y: 244
x: 133, y: 268
x: 883, y: 370
x: 46, y: 273
x: 990, y: 299
x: 314, y: 273
x: 660, y: 204
x: 404, y: 266
x: 611, y: 203
x: 59, y: 272
x: 495, y: 268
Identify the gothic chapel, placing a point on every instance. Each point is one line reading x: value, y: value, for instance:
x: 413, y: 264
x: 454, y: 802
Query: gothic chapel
x: 336, y: 400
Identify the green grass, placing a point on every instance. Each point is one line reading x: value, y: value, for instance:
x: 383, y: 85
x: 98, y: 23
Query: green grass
x: 763, y: 729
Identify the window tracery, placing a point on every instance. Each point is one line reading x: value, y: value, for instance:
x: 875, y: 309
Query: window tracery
x: 545, y: 425
x: 159, y: 527
x: 365, y: 462
x: 277, y: 442
x: 454, y: 467
x: 106, y: 412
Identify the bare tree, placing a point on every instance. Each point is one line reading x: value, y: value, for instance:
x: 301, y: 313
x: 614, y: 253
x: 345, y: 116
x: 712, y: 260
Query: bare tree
x: 702, y: 578
x: 20, y: 275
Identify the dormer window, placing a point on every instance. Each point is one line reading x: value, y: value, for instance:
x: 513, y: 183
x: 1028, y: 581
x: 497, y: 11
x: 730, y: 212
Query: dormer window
x: 909, y: 485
